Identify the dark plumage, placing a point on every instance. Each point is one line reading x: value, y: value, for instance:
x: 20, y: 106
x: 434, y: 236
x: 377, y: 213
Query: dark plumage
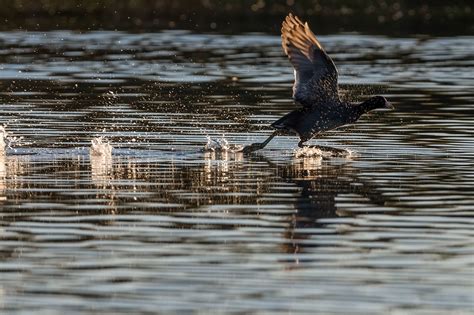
x: 315, y: 88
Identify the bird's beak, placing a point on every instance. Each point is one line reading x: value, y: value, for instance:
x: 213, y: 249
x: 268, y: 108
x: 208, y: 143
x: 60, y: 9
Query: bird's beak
x: 388, y: 105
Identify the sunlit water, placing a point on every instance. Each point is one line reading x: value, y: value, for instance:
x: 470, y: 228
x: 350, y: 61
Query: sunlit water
x: 164, y: 223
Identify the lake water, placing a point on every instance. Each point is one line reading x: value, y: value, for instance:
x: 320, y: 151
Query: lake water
x: 159, y: 226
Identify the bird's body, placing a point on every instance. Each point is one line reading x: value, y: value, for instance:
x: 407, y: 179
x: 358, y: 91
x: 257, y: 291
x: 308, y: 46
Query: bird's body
x: 315, y: 88
x: 308, y: 122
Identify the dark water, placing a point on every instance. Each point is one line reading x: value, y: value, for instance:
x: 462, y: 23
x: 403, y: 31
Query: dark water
x: 162, y: 227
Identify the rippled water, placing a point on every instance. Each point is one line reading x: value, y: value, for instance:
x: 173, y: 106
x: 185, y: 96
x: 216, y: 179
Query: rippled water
x: 159, y: 225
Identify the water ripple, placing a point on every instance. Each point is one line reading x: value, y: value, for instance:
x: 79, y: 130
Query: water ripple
x: 161, y: 225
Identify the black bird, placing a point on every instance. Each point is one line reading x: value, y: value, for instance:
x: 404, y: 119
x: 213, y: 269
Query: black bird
x: 315, y: 88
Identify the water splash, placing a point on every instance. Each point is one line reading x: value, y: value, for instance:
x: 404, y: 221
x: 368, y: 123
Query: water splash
x: 323, y: 152
x: 7, y: 141
x: 100, y: 147
x: 221, y: 145
x: 3, y: 139
x: 8, y: 165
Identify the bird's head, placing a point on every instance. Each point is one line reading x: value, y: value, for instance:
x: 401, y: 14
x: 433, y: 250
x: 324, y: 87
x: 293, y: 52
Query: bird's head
x: 376, y: 102
x: 381, y: 102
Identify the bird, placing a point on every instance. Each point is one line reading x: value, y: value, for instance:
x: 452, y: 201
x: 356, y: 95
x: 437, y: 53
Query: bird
x: 315, y: 88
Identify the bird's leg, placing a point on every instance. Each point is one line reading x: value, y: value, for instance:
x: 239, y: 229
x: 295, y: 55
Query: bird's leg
x: 258, y: 146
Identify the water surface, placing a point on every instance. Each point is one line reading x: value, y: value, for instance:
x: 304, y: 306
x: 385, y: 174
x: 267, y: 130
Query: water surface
x: 162, y: 226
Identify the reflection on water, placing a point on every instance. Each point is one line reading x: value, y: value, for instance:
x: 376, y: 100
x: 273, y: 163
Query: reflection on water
x: 3, y: 167
x: 102, y: 172
x: 3, y: 175
x: 3, y: 137
x: 162, y: 224
x: 100, y: 155
x: 307, y: 164
x: 101, y: 167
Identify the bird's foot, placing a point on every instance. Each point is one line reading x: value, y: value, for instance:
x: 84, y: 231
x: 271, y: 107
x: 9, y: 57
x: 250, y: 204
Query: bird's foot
x: 252, y: 147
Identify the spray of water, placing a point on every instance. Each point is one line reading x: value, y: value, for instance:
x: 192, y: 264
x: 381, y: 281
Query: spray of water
x: 221, y: 145
x: 7, y: 141
x: 100, y: 147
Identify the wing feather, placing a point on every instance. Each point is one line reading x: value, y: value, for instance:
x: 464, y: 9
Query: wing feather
x: 315, y: 72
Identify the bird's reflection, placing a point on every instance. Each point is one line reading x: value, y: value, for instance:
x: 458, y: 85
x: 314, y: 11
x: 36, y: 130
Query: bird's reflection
x: 320, y: 182
x: 320, y: 186
x: 204, y: 187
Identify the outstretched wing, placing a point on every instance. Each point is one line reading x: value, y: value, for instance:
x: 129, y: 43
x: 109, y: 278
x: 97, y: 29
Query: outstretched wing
x: 315, y: 72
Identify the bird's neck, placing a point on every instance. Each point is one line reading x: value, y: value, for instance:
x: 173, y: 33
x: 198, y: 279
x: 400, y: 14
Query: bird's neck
x: 365, y: 107
x: 358, y: 110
